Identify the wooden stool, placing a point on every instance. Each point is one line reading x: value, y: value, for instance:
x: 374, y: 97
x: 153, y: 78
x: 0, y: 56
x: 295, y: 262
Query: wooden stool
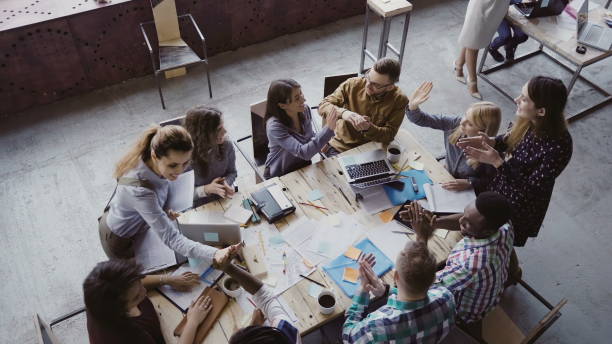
x: 386, y: 9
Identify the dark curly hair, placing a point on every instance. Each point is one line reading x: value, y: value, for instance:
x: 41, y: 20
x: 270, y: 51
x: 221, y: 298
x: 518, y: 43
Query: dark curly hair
x: 105, y: 289
x: 202, y: 123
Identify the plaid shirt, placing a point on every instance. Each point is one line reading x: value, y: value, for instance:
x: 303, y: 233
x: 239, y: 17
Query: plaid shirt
x: 475, y: 272
x: 425, y: 321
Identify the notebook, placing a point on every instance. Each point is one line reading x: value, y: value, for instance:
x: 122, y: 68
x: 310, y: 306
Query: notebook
x: 440, y: 200
x: 272, y: 202
x: 335, y: 268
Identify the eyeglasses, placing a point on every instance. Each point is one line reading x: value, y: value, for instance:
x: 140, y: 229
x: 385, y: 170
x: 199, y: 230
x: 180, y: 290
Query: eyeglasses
x: 376, y: 86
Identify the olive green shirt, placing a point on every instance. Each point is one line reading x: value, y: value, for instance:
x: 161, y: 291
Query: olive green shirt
x: 386, y: 113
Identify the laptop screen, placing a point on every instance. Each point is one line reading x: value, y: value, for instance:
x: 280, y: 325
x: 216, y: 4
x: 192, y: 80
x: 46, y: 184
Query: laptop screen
x: 583, y: 16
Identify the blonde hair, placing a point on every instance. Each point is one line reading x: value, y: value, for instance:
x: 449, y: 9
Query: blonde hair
x: 158, y: 139
x: 486, y: 116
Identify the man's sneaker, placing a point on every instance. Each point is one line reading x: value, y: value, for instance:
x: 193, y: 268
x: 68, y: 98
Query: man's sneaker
x: 496, y: 55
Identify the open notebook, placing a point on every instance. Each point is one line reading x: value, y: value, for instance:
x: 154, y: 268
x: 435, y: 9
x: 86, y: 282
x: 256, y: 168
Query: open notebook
x: 440, y: 200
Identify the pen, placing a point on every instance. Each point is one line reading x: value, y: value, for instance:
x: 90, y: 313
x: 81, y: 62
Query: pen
x: 415, y: 187
x: 251, y: 301
x: 313, y: 281
x: 400, y: 232
x: 284, y: 263
x: 313, y: 205
x: 343, y: 195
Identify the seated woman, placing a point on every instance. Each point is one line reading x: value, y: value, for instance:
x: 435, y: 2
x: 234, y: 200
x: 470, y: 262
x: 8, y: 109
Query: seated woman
x: 291, y: 139
x: 213, y: 157
x: 119, y: 311
x: 143, y: 175
x: 479, y: 117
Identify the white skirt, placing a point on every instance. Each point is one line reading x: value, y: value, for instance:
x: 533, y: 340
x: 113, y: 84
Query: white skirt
x: 481, y: 21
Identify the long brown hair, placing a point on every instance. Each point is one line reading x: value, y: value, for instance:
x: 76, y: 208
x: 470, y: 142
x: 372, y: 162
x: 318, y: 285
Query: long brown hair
x: 551, y: 95
x: 157, y: 139
x: 202, y: 123
x: 486, y: 116
x: 105, y: 289
x: 280, y: 92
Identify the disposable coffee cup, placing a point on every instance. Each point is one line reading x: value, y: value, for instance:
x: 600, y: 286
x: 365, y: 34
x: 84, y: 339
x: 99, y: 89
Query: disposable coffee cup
x: 230, y: 286
x: 394, y: 152
x: 327, y: 301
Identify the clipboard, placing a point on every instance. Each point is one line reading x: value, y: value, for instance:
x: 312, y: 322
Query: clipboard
x: 219, y: 300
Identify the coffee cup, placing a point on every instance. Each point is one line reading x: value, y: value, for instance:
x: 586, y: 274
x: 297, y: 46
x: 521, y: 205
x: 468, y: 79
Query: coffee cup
x: 327, y: 301
x: 230, y: 286
x: 394, y: 151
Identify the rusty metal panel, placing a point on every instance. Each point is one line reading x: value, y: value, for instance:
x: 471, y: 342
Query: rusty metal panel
x: 110, y: 44
x: 38, y: 65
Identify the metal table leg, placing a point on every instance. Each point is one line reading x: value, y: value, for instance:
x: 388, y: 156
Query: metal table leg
x: 365, y: 39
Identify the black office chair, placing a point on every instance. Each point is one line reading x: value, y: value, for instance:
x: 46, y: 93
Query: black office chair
x: 259, y: 138
x: 330, y: 84
x: 44, y: 332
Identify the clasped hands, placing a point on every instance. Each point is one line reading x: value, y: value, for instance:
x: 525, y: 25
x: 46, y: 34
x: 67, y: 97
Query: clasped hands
x: 358, y: 121
x: 422, y: 221
x: 480, y: 148
x: 219, y: 187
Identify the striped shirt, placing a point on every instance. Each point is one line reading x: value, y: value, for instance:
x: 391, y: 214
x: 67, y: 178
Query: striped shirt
x: 424, y: 321
x: 475, y: 272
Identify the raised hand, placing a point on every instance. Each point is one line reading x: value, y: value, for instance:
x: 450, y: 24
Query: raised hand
x: 422, y: 221
x: 486, y: 155
x: 369, y: 281
x: 476, y: 141
x: 420, y: 95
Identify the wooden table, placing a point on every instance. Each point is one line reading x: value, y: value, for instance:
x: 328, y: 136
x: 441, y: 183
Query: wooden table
x: 558, y: 34
x: 325, y: 177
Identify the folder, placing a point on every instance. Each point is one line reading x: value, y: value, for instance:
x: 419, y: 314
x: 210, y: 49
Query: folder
x: 272, y: 203
x: 398, y: 197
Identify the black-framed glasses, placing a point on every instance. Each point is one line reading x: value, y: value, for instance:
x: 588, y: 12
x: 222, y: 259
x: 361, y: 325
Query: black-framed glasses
x: 376, y: 86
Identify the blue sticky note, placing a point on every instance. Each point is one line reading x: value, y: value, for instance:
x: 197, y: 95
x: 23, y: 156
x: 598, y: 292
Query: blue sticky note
x: 194, y: 262
x: 211, y: 236
x: 315, y: 195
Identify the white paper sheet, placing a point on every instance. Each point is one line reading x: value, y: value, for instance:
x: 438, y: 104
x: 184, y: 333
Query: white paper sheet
x: 374, y: 199
x: 238, y: 214
x: 445, y: 201
x: 388, y: 242
x: 180, y: 192
x: 152, y: 253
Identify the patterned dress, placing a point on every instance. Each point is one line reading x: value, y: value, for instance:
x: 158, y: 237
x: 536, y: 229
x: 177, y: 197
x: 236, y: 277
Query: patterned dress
x: 527, y: 179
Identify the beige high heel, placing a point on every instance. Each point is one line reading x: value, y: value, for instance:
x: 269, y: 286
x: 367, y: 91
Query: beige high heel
x: 460, y: 78
x: 476, y: 94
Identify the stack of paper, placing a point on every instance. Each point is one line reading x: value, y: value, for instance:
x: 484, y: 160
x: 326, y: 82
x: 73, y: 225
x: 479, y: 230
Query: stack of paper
x: 441, y: 200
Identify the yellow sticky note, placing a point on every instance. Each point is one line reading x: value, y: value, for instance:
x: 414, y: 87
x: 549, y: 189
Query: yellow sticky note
x: 352, y: 253
x: 387, y: 215
x: 350, y: 275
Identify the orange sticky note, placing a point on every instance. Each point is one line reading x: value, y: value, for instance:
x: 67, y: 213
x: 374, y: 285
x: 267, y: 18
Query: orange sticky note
x: 387, y: 215
x: 352, y: 253
x: 350, y: 275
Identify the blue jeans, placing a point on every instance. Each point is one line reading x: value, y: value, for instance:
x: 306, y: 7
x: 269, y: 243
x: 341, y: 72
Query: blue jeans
x: 505, y: 37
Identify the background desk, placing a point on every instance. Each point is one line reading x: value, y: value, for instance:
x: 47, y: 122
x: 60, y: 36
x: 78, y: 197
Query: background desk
x: 325, y: 177
x: 559, y: 35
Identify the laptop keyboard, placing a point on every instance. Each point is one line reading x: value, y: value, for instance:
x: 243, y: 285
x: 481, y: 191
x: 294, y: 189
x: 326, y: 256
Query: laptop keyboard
x: 594, y: 34
x: 367, y: 169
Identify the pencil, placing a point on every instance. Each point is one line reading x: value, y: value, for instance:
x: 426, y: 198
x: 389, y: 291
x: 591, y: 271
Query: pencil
x: 251, y: 301
x: 313, y: 281
x: 313, y: 205
x: 340, y: 265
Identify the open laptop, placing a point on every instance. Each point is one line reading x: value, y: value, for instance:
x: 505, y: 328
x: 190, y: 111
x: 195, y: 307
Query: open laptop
x: 541, y: 8
x: 593, y: 35
x: 212, y: 234
x: 367, y: 169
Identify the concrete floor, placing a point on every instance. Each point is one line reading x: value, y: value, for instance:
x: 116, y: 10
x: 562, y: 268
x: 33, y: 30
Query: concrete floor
x: 56, y: 163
